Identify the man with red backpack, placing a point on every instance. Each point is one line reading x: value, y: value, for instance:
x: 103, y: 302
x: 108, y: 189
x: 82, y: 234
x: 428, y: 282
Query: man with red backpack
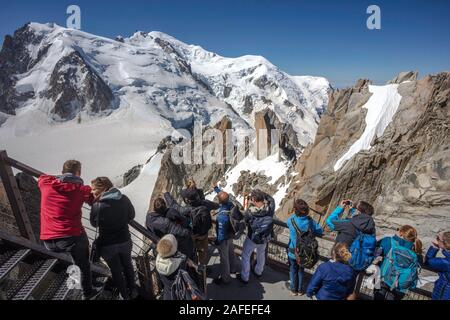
x: 62, y: 198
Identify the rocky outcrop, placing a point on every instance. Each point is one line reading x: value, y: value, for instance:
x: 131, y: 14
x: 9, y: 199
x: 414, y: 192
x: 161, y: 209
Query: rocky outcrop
x: 406, y: 172
x: 283, y: 135
x: 172, y: 177
x: 405, y: 76
x: 75, y: 87
x: 15, y: 59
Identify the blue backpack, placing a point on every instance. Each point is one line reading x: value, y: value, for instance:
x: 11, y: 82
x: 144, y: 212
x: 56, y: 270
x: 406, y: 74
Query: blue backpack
x: 400, y: 269
x: 363, y: 251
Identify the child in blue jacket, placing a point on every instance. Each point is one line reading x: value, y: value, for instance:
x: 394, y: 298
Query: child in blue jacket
x: 441, y: 289
x: 302, y: 221
x: 335, y: 279
x: 406, y: 237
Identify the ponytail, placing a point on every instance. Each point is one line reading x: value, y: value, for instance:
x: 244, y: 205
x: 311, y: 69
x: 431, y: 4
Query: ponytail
x: 410, y: 234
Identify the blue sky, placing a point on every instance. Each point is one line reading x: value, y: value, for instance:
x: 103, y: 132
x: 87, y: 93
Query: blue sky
x: 323, y: 38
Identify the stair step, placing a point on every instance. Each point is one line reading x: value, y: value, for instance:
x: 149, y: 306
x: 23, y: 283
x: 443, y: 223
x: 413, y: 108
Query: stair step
x: 19, y: 283
x: 57, y: 286
x: 63, y: 290
x: 32, y: 282
x: 12, y: 261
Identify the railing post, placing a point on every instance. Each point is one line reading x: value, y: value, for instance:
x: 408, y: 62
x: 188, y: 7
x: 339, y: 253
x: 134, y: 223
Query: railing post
x: 15, y: 198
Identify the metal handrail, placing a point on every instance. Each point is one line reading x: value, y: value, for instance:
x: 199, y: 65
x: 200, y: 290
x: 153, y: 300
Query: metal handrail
x: 328, y: 238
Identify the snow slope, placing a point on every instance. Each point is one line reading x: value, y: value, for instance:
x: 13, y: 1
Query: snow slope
x: 381, y: 108
x: 158, y: 88
x: 270, y: 166
x: 140, y: 190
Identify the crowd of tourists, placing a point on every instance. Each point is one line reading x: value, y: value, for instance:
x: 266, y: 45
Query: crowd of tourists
x: 185, y: 239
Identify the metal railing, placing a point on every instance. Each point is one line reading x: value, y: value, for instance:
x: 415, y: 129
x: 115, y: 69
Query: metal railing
x: 277, y: 257
x: 142, y: 253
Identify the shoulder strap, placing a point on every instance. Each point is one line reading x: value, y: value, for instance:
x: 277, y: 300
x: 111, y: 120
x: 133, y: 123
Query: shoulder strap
x: 294, y: 224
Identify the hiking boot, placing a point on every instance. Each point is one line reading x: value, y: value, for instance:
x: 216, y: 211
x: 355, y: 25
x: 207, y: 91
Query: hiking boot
x: 92, y: 295
x: 239, y: 277
x: 219, y: 281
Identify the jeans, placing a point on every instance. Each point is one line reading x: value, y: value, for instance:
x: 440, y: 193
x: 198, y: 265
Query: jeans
x: 78, y: 248
x: 118, y: 259
x: 296, y: 275
x: 227, y: 259
x: 201, y: 248
x: 247, y: 250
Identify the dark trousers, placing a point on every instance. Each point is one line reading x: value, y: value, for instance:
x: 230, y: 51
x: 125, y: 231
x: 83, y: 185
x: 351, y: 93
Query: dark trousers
x: 118, y: 258
x: 385, y: 293
x: 296, y: 276
x: 78, y: 248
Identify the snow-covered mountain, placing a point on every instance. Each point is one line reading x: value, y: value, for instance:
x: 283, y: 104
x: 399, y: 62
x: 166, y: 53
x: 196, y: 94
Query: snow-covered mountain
x: 65, y: 94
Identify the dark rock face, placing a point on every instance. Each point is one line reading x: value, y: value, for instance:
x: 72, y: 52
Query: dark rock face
x: 15, y: 59
x: 405, y: 174
x: 172, y: 177
x: 287, y: 137
x: 250, y: 180
x: 75, y: 86
x: 131, y: 175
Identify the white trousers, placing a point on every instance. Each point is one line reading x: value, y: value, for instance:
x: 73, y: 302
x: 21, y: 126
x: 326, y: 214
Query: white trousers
x: 247, y: 250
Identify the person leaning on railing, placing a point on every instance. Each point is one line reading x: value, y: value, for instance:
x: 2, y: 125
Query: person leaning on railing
x: 161, y: 220
x: 62, y: 198
x: 441, y: 289
x: 111, y: 213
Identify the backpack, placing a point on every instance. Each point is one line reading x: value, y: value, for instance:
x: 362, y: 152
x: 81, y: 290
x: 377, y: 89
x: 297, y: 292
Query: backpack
x: 363, y: 251
x: 306, y: 247
x: 237, y: 226
x: 400, y: 269
x: 201, y: 220
x: 185, y: 288
x: 262, y: 229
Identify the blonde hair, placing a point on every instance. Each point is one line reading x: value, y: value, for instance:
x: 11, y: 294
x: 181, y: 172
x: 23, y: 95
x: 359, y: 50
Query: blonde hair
x: 409, y: 233
x: 446, y: 238
x: 190, y: 183
x: 340, y: 253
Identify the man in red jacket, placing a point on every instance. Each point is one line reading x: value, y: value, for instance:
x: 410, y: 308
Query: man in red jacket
x: 61, y: 228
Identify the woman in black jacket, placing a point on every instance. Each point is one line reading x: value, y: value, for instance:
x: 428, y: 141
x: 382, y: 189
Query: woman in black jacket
x: 111, y: 213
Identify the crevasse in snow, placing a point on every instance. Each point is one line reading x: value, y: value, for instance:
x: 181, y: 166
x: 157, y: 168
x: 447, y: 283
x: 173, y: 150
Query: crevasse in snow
x: 381, y: 108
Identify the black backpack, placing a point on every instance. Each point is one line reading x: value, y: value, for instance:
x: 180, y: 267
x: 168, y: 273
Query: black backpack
x: 306, y: 248
x: 201, y: 220
x: 185, y: 288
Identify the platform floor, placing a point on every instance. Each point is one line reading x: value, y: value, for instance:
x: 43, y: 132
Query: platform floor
x: 271, y: 286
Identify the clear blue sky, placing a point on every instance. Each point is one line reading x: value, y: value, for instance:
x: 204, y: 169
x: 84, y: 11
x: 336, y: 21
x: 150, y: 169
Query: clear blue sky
x: 324, y: 38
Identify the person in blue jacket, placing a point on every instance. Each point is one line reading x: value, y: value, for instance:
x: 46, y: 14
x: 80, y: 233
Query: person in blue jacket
x: 360, y: 220
x: 302, y: 221
x: 335, y: 279
x: 336, y: 215
x: 224, y: 239
x: 406, y: 237
x: 441, y: 289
